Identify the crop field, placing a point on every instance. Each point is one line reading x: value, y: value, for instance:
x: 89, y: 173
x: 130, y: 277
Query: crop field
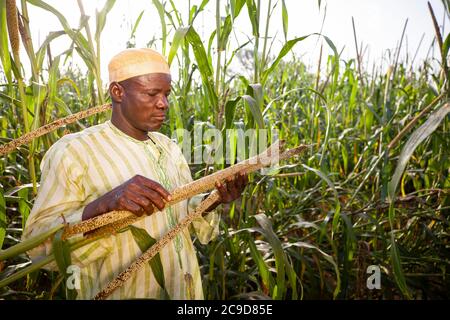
x: 371, y: 191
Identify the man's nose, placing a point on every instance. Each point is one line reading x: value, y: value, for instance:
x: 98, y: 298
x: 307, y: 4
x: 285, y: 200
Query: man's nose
x: 163, y: 103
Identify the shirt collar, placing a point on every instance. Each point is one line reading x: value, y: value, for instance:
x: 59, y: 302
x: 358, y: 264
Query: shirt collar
x: 150, y: 140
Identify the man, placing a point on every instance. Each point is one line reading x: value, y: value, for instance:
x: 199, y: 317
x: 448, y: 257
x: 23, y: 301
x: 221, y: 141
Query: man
x: 125, y: 164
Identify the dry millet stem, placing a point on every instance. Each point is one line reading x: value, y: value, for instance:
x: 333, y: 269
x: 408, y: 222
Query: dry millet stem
x: 115, y: 226
x: 115, y: 220
x: 26, y: 138
x: 130, y: 218
x: 121, y: 219
x: 157, y: 247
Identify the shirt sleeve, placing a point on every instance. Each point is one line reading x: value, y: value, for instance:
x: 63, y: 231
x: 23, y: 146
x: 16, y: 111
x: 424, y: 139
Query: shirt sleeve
x: 61, y: 199
x: 206, y: 228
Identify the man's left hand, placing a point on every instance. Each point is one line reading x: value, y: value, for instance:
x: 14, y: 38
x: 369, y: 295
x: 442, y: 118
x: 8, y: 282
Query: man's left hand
x: 232, y: 188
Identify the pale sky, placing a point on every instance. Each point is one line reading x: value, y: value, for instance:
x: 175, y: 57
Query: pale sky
x: 379, y: 24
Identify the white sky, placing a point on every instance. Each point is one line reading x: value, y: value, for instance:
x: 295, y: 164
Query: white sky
x: 379, y: 24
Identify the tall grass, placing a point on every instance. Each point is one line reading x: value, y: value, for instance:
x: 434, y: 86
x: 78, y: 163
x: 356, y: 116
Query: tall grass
x: 374, y: 190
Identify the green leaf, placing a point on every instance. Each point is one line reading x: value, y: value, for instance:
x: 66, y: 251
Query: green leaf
x: 271, y: 171
x: 324, y: 178
x: 82, y: 45
x: 210, y: 42
x: 288, y: 47
x: 417, y: 137
x: 28, y: 244
x: 145, y: 241
x: 24, y: 208
x: 161, y: 13
x: 350, y: 237
x: 269, y: 234
x: 136, y: 24
x: 397, y: 266
x: 236, y: 7
x: 72, y: 83
x: 263, y: 269
x: 4, y: 49
x: 31, y: 243
x: 284, y: 51
x: 331, y: 44
x: 61, y: 252
x: 231, y: 137
x: 2, y: 218
x: 10, y: 99
x: 101, y: 18
x: 225, y: 33
x: 254, y: 17
x: 256, y: 112
x: 59, y: 15
x: 25, y: 271
x: 292, y: 276
x: 230, y: 110
x: 258, y: 94
x: 197, y: 11
x: 204, y: 66
x: 40, y: 54
x: 176, y: 12
x: 192, y: 13
x: 337, y: 210
x: 326, y: 256
x: 177, y: 40
x: 285, y: 16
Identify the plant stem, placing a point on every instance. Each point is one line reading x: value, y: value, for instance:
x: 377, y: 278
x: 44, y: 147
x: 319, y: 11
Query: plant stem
x: 266, y: 34
x: 95, y: 57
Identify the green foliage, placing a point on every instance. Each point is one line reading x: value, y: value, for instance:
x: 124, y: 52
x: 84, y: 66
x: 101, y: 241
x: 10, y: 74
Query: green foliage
x: 145, y: 241
x: 61, y: 252
x: 304, y: 230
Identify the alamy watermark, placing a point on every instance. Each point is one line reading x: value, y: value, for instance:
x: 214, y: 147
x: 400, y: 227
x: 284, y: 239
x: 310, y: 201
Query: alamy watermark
x: 374, y: 280
x: 213, y: 146
x: 73, y: 277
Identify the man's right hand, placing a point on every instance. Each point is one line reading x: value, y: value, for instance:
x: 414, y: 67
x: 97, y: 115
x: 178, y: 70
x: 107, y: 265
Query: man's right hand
x: 138, y: 195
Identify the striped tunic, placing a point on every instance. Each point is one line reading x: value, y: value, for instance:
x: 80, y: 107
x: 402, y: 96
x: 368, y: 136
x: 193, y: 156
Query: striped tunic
x: 83, y: 166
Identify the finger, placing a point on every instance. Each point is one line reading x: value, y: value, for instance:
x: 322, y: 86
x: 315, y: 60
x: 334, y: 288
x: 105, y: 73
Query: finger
x: 244, y: 180
x: 156, y: 199
x: 223, y: 192
x: 231, y: 186
x: 127, y: 204
x: 153, y: 185
x: 240, y: 183
x: 153, y: 197
x: 143, y: 201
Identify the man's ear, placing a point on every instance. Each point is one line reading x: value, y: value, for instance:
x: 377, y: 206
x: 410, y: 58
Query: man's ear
x: 116, y: 91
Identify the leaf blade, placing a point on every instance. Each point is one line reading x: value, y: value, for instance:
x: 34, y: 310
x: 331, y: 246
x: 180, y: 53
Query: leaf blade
x: 416, y: 138
x: 145, y: 241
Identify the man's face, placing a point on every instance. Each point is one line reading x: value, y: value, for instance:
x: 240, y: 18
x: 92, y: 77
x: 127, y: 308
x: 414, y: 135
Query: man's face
x: 144, y: 101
